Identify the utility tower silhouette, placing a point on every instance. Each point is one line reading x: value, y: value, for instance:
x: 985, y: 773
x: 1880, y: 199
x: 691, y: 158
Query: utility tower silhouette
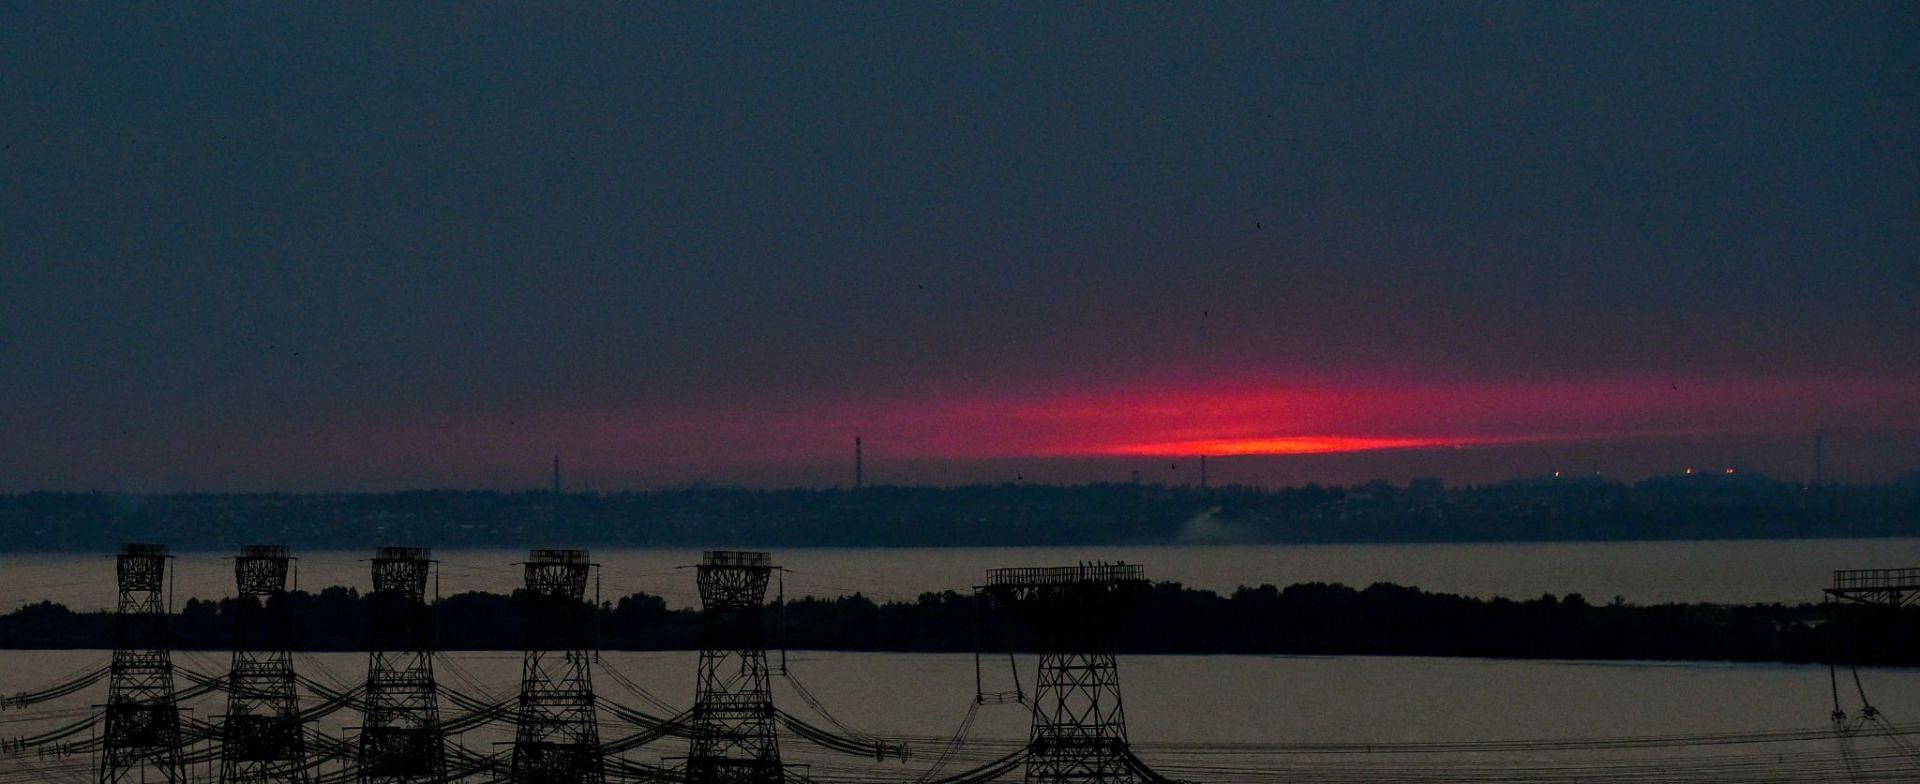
x: 1079, y: 731
x: 262, y: 739
x: 1894, y: 588
x: 142, y: 732
x: 400, y: 738
x: 733, y: 719
x: 558, y: 740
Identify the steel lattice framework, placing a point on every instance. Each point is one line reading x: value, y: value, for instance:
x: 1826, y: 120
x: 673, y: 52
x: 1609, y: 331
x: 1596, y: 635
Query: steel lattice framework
x: 401, y: 739
x: 1079, y: 730
x: 262, y: 739
x: 558, y: 736
x: 142, y: 733
x: 1886, y: 587
x: 733, y: 716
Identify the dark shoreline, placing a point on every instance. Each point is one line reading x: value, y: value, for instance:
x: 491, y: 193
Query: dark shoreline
x: 1542, y: 509
x: 224, y: 551
x: 1305, y: 619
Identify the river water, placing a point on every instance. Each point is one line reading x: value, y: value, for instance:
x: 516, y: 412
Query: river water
x: 1210, y: 718
x: 1789, y: 571
x: 1202, y: 718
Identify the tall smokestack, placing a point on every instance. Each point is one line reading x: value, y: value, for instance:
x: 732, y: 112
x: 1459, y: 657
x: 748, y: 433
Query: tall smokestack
x: 859, y: 468
x: 1203, y: 472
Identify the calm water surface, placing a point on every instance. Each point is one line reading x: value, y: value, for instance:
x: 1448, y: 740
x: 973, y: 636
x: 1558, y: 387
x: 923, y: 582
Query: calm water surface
x: 1702, y: 571
x: 1218, y: 718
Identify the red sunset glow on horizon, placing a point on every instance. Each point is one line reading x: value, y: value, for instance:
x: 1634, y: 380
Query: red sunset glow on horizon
x: 1287, y: 445
x: 1320, y: 418
x: 677, y: 244
x: 801, y: 441
x: 1250, y: 418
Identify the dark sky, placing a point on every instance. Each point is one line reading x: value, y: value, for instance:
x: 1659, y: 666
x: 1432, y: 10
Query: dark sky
x: 330, y: 246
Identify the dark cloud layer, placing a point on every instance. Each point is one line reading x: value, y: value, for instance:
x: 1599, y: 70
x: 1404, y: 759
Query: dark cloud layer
x: 269, y: 224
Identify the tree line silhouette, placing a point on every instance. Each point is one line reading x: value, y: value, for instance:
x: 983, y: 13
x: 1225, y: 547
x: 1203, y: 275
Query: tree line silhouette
x: 1703, y: 506
x: 1302, y: 619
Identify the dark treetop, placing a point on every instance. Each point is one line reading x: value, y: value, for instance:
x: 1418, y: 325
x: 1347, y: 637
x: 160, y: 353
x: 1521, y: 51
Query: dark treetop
x: 1314, y: 618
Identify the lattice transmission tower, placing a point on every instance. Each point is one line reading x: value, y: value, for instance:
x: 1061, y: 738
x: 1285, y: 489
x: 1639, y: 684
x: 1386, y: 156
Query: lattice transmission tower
x: 262, y: 738
x: 1894, y: 588
x: 400, y: 738
x: 733, y: 718
x: 1079, y: 730
x: 142, y: 735
x: 1890, y: 590
x: 558, y: 737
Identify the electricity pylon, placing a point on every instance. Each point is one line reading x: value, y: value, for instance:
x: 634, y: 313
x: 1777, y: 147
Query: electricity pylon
x: 733, y: 718
x: 142, y: 731
x: 262, y: 739
x: 1079, y: 729
x: 558, y: 737
x: 400, y: 737
x: 1885, y: 587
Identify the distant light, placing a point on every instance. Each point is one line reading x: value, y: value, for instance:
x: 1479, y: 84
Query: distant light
x: 1689, y: 472
x: 1556, y: 474
x: 1729, y: 470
